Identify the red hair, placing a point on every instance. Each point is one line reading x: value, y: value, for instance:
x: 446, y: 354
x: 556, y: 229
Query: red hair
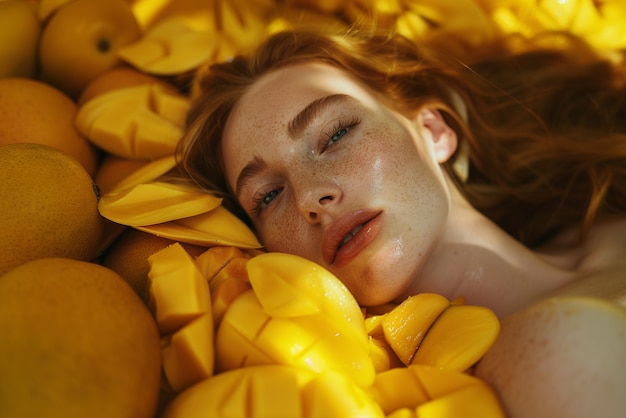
x: 545, y: 126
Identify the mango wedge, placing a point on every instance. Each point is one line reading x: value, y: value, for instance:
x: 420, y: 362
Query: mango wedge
x: 273, y: 391
x: 291, y: 286
x: 151, y: 171
x: 138, y: 122
x: 248, y: 335
x: 460, y: 337
x: 169, y: 48
x: 154, y: 203
x: 406, y: 325
x: 178, y: 291
x: 218, y: 227
x: 424, y: 391
x: 188, y: 355
x: 213, y: 260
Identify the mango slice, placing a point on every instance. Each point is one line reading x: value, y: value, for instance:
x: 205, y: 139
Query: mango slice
x: 137, y: 122
x: 248, y: 335
x: 170, y: 47
x: 218, y: 227
x: 178, y: 291
x: 155, y: 202
x: 291, y: 286
x: 273, y: 391
x: 406, y: 325
x: 187, y: 356
x: 425, y: 391
x: 151, y: 171
x: 460, y: 337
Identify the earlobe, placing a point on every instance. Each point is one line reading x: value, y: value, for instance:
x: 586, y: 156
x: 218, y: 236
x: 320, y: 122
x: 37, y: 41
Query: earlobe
x: 444, y: 138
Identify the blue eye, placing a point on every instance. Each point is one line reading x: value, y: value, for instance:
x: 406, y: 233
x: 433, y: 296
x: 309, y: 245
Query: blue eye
x: 264, y: 199
x: 338, y: 135
x: 267, y: 199
x: 340, y: 130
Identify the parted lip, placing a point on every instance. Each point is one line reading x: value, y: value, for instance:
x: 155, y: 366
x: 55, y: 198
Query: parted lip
x: 334, y: 236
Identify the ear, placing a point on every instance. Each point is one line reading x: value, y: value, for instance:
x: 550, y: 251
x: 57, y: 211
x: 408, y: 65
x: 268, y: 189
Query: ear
x: 434, y: 127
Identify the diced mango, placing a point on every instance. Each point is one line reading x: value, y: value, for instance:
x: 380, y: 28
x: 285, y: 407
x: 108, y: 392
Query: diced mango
x: 137, y: 122
x: 288, y: 285
x: 398, y: 388
x: 236, y: 269
x: 171, y: 47
x: 406, y: 325
x: 224, y: 294
x: 459, y: 338
x: 431, y: 392
x: 475, y: 401
x: 333, y: 395
x: 178, y: 292
x: 214, y: 259
x: 273, y: 391
x: 247, y: 335
x: 188, y: 356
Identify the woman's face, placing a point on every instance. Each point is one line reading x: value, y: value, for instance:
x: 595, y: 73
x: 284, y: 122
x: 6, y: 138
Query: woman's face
x: 327, y: 172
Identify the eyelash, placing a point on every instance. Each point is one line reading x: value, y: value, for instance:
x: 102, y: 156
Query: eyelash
x: 343, y: 125
x: 258, y: 202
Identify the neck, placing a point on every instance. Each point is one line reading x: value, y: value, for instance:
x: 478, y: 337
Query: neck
x: 477, y: 260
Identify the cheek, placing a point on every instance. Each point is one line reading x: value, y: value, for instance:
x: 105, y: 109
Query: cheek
x: 287, y: 233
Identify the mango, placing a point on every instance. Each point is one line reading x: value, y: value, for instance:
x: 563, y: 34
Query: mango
x: 76, y: 342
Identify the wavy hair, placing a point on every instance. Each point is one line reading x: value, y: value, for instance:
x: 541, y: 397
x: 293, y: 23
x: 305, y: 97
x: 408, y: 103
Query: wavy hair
x: 543, y: 122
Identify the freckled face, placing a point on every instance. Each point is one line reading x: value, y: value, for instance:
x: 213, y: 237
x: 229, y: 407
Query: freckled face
x: 327, y: 172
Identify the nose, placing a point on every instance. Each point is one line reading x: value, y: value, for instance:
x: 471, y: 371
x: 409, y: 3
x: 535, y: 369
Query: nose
x: 317, y: 203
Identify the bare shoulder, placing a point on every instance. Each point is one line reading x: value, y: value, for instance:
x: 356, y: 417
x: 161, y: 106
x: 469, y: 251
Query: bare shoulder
x: 600, y: 262
x: 563, y: 356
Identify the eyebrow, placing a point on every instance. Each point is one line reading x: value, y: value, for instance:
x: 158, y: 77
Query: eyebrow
x: 251, y: 169
x: 306, y: 115
x: 295, y: 127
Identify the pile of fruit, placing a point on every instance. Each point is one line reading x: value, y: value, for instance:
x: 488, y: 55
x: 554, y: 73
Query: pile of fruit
x: 124, y: 295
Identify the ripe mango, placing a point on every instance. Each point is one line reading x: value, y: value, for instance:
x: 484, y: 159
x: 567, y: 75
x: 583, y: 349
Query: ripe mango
x: 76, y: 342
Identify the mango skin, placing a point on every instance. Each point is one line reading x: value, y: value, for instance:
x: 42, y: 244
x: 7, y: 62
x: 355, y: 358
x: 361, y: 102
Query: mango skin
x: 76, y: 342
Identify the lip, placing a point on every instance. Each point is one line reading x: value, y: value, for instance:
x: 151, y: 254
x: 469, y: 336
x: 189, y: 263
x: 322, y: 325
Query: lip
x: 335, y: 253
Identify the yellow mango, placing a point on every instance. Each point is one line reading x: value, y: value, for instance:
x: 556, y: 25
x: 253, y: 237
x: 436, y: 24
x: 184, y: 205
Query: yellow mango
x: 261, y: 391
x: 406, y: 325
x: 235, y: 269
x: 218, y: 227
x: 187, y: 356
x: 398, y: 388
x: 460, y: 337
x: 272, y: 391
x: 169, y: 48
x: 379, y: 354
x: 216, y: 258
x: 431, y: 392
x: 334, y: 395
x: 138, y: 122
x: 155, y: 202
x: 475, y: 401
x: 247, y: 336
x: 224, y: 294
x: 291, y: 286
x: 374, y: 325
x: 148, y: 173
x: 178, y: 292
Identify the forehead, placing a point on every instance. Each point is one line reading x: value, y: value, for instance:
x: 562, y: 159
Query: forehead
x: 280, y: 94
x: 262, y: 115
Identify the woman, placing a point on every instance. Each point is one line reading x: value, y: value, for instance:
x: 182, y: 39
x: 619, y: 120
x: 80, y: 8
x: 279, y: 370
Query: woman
x: 346, y: 149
